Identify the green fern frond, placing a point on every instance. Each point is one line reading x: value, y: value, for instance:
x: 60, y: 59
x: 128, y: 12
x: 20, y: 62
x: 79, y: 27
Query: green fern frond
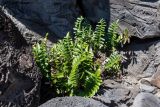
x: 42, y: 58
x: 78, y: 26
x: 113, y: 62
x: 113, y: 38
x: 99, y: 34
x: 92, y: 83
x: 83, y: 31
x: 81, y: 62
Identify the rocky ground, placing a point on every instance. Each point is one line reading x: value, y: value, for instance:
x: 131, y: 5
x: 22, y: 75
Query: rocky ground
x: 22, y: 22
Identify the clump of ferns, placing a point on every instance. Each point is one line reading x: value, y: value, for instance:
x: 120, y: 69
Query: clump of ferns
x: 115, y: 37
x: 71, y: 64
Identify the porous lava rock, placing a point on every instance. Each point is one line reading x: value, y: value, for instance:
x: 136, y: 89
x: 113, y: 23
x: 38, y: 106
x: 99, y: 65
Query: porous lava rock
x: 19, y: 76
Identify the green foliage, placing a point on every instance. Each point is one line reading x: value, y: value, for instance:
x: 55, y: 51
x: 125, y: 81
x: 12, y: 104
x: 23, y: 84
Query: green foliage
x: 125, y: 36
x: 74, y: 71
x: 95, y: 39
x: 71, y: 64
x: 113, y: 63
x: 114, y: 38
x: 41, y: 58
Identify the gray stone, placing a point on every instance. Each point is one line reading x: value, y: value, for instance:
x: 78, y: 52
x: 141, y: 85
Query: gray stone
x: 111, y: 84
x: 118, y: 95
x: 19, y: 76
x: 72, y: 102
x: 94, y: 10
x: 146, y: 100
x: 139, y: 69
x: 145, y: 86
x: 142, y: 58
x: 36, y: 17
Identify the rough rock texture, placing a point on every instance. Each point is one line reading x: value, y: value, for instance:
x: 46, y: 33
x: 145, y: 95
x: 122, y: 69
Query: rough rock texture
x: 142, y: 66
x: 141, y: 17
x: 53, y: 16
x: 57, y: 16
x: 141, y: 74
x: 117, y: 94
x: 72, y: 102
x: 143, y: 58
x: 146, y: 100
x: 19, y: 77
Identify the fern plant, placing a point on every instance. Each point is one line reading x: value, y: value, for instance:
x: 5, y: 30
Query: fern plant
x: 71, y: 65
x: 115, y: 37
x: 94, y: 38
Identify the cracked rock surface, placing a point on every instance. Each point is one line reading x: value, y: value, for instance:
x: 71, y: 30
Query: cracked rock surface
x: 19, y: 77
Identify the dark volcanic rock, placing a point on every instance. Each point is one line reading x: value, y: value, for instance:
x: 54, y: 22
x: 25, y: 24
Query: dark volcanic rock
x: 57, y: 17
x: 19, y: 77
x: 72, y: 102
x: 142, y: 66
x: 54, y: 16
x: 114, y: 94
x: 141, y: 17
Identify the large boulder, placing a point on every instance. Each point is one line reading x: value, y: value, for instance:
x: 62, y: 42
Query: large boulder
x: 54, y: 16
x: 72, y: 102
x: 19, y: 77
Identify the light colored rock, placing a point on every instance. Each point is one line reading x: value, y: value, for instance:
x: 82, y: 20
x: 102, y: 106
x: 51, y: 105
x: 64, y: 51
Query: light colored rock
x: 145, y: 86
x: 156, y: 78
x: 146, y: 100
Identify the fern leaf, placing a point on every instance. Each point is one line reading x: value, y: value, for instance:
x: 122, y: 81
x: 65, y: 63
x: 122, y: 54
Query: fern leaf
x: 99, y: 34
x: 42, y: 58
x: 78, y: 26
x: 113, y: 62
x: 113, y: 38
x: 92, y: 82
